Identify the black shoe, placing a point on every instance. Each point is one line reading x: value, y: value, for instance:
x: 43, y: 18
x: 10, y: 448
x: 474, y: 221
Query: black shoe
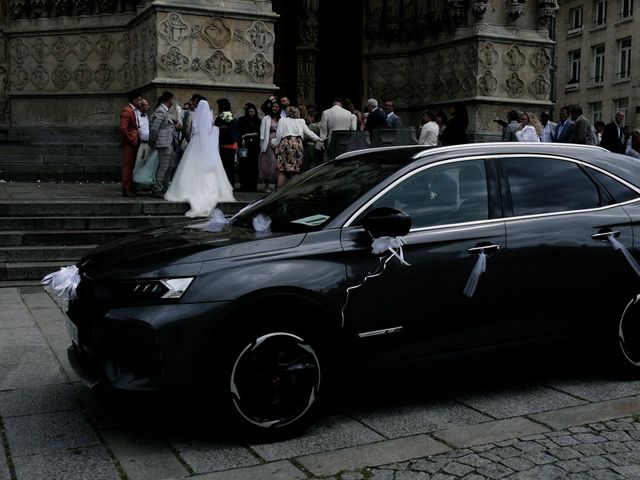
x: 158, y: 195
x: 129, y: 193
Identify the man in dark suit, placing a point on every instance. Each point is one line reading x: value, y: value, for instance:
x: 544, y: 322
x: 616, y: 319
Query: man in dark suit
x: 377, y: 118
x: 581, y: 133
x: 564, y: 127
x: 163, y: 136
x: 128, y: 127
x: 613, y: 137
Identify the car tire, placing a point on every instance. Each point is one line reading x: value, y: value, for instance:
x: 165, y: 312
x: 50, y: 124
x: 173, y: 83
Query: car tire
x: 272, y: 379
x: 627, y: 346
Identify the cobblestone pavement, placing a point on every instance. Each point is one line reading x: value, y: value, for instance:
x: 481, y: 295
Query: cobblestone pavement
x: 477, y: 420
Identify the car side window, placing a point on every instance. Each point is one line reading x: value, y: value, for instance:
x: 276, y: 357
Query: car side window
x: 620, y: 192
x: 452, y: 193
x: 547, y: 185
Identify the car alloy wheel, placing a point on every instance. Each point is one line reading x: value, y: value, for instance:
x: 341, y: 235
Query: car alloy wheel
x: 629, y: 333
x: 275, y: 381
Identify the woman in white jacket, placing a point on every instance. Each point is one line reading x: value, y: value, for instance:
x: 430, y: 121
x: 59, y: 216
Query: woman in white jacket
x: 530, y: 129
x: 267, y: 158
x: 289, y: 146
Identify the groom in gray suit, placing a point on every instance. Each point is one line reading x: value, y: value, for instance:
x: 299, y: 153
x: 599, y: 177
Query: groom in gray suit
x: 163, y: 136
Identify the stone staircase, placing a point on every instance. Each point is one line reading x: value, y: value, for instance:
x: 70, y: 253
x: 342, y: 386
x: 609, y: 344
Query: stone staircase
x: 60, y: 154
x: 38, y: 237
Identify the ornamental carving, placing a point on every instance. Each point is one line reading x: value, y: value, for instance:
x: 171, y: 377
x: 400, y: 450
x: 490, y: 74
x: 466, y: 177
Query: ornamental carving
x: 469, y: 85
x: 540, y: 87
x: 479, y: 9
x: 3, y: 47
x: 125, y: 75
x: 82, y: 7
x: 489, y: 55
x: 38, y: 7
x: 60, y: 7
x: 217, y: 34
x: 373, y: 17
x: 516, y: 9
x: 39, y: 77
x: 20, y: 78
x: 514, y: 58
x: 437, y: 86
x: 514, y: 85
x: 488, y: 83
x: 19, y: 51
x: 546, y: 11
x: 261, y: 39
x: 174, y: 62
x: 60, y: 77
x: 470, y: 55
x: 4, y: 80
x: 124, y: 45
x: 39, y: 50
x: 453, y: 57
x: 453, y: 85
x: 259, y: 68
x: 456, y: 10
x: 309, y: 32
x: 540, y: 60
x: 104, y: 47
x: 82, y: 76
x: 173, y: 29
x: 104, y: 75
x: 19, y: 8
x: 83, y: 47
x: 217, y: 65
x: 60, y: 49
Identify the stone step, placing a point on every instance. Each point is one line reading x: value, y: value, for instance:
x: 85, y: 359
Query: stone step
x: 18, y: 149
x: 47, y: 238
x: 61, y: 135
x: 30, y: 270
x: 100, y: 207
x: 50, y: 253
x: 68, y: 172
x: 87, y: 223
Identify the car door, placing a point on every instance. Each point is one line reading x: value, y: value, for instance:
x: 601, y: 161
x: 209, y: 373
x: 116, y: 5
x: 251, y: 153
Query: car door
x: 562, y: 272
x: 420, y: 309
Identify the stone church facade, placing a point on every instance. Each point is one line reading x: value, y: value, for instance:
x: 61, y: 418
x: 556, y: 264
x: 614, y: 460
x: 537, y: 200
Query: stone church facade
x: 71, y: 63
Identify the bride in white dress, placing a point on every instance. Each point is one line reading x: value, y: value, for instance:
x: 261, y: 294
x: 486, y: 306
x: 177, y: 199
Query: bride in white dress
x: 200, y: 178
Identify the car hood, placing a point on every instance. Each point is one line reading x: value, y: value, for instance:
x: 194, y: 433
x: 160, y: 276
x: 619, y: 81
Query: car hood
x: 182, y: 244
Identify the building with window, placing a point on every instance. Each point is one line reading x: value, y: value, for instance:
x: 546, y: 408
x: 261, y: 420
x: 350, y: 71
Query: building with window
x: 598, y: 59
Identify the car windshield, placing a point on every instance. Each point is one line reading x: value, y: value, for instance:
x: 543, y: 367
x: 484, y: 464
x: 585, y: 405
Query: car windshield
x: 308, y: 202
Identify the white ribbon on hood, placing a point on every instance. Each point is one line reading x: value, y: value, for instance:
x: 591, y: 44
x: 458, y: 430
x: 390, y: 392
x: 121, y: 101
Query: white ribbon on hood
x: 62, y: 283
x: 216, y: 222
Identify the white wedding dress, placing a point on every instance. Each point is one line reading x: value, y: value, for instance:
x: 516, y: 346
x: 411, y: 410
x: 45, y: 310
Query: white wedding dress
x: 200, y: 178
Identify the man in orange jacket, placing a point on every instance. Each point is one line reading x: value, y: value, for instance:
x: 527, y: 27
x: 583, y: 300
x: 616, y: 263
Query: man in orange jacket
x: 129, y: 125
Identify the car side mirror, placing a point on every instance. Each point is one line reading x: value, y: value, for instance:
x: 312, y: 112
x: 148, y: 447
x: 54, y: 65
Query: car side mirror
x: 386, y: 222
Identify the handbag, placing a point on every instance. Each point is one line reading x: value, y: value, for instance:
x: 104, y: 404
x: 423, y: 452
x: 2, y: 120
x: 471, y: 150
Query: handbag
x: 144, y: 171
x: 244, y: 151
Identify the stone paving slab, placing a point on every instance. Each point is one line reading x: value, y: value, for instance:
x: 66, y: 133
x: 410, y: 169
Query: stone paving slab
x: 594, y: 412
x: 212, y: 456
x: 36, y: 400
x: 79, y: 464
x: 37, y: 300
x: 597, y: 389
x: 48, y: 433
x: 489, y: 432
x: 15, y: 316
x: 144, y: 455
x: 330, y: 434
x: 374, y: 454
x: 30, y: 375
x: 273, y: 471
x: 4, y: 467
x: 520, y: 400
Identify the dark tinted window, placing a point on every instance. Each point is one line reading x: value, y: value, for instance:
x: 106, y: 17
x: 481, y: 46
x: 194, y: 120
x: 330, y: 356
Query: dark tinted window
x: 452, y: 193
x: 619, y: 192
x: 545, y: 185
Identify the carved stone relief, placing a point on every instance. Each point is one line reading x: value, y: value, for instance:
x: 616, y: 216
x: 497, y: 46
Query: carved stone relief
x: 3, y: 47
x: 20, y: 78
x: 104, y: 47
x: 173, y: 29
x: 39, y: 50
x: 453, y: 85
x: 125, y: 75
x: 469, y: 85
x: 489, y: 55
x: 261, y: 39
x: 39, y: 77
x: 540, y: 87
x: 104, y: 75
x: 18, y: 8
x: 60, y: 77
x: 82, y: 76
x: 174, y: 62
x: 540, y: 60
x: 83, y: 47
x: 38, y: 7
x: 470, y: 55
x: 4, y: 80
x: 217, y: 34
x: 514, y: 58
x: 19, y: 51
x: 488, y: 83
x: 217, y: 65
x: 60, y: 49
x: 309, y: 32
x: 124, y: 45
x: 259, y: 68
x: 514, y: 85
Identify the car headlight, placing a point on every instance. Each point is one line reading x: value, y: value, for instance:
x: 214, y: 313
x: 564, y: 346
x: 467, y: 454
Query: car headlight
x: 162, y: 288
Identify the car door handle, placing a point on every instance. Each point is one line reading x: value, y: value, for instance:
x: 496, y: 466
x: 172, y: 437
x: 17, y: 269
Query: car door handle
x: 485, y: 249
x: 605, y: 235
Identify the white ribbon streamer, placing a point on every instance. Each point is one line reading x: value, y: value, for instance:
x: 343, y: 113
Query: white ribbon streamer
x: 478, y: 269
x: 216, y: 222
x: 62, y: 283
x: 261, y: 223
x: 391, y: 244
x: 619, y: 246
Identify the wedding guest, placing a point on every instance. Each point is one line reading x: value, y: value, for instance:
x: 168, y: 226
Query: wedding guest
x: 128, y: 127
x: 249, y: 131
x: 267, y: 158
x: 429, y: 131
x: 163, y: 136
x: 530, y: 129
x: 456, y: 131
x: 228, y: 126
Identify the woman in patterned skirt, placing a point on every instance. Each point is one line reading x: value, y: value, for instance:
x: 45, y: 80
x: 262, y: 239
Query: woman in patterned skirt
x: 288, y: 142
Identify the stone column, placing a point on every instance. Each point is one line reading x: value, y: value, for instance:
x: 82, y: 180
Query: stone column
x: 5, y: 106
x: 307, y: 53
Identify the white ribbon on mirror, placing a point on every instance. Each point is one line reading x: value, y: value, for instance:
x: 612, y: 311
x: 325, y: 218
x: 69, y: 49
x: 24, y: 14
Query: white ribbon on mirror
x: 261, y: 223
x: 478, y: 269
x: 62, y: 283
x: 627, y: 254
